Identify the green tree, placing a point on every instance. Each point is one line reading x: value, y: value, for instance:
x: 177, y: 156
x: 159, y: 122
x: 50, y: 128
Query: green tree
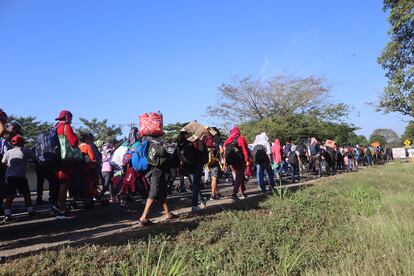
x: 31, y: 127
x: 378, y: 138
x: 397, y: 59
x: 408, y: 133
x: 250, y: 99
x: 173, y: 129
x: 298, y: 127
x: 100, y: 129
x: 389, y: 136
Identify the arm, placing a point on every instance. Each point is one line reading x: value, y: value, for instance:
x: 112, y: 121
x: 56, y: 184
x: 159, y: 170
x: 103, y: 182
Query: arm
x: 243, y: 144
x: 72, y: 137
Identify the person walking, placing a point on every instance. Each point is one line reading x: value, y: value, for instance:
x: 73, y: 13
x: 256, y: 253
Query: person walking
x: 16, y: 161
x: 71, y: 156
x: 262, y: 156
x: 237, y: 156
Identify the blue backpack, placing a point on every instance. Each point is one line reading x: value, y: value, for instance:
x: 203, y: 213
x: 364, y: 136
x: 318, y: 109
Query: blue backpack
x: 139, y: 157
x: 47, y: 148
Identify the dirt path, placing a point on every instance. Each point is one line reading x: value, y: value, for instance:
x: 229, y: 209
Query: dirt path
x: 112, y: 224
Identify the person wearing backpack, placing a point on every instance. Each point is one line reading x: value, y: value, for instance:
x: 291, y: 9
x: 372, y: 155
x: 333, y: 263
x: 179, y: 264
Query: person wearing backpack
x: 277, y: 155
x: 293, y: 160
x: 156, y: 178
x: 71, y: 157
x: 215, y: 150
x: 193, y: 158
x: 262, y: 157
x: 16, y: 161
x: 368, y: 153
x: 315, y: 156
x: 237, y: 156
x: 91, y: 168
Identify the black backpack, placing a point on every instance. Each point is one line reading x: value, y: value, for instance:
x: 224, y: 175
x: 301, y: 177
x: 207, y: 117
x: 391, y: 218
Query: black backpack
x: 259, y: 155
x: 234, y: 154
x: 157, y: 153
x: 47, y: 148
x: 187, y: 154
x: 293, y: 158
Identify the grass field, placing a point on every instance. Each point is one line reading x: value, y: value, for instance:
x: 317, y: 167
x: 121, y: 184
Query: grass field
x: 354, y: 224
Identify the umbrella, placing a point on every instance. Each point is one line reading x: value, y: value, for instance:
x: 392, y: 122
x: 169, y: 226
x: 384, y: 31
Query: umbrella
x: 196, y: 131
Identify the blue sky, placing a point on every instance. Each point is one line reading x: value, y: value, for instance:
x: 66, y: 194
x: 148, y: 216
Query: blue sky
x: 118, y: 59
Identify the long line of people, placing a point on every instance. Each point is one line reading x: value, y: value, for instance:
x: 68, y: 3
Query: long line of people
x: 146, y: 164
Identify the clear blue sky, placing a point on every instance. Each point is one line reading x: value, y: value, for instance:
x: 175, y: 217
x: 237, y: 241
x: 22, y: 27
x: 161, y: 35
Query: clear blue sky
x: 118, y: 59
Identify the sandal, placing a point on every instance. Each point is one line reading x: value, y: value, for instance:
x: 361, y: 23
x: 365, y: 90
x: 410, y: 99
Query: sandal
x: 145, y: 223
x: 170, y: 217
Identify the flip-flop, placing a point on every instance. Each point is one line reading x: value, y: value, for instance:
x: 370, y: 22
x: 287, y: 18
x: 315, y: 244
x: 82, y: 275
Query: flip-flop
x: 173, y: 216
x: 145, y: 223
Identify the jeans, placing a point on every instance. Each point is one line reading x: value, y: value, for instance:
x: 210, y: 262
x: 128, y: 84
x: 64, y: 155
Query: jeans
x: 260, y: 176
x: 195, y: 176
x: 350, y: 164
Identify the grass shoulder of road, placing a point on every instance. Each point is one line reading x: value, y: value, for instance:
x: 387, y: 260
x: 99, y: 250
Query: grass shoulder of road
x: 355, y: 224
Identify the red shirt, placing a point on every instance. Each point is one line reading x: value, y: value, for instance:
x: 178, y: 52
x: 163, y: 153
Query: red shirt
x: 72, y: 137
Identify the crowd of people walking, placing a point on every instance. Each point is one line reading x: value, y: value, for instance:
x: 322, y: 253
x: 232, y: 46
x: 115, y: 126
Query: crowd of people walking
x: 146, y: 164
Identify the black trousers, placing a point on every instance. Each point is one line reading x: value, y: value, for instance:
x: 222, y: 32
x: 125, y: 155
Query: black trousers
x: 47, y: 172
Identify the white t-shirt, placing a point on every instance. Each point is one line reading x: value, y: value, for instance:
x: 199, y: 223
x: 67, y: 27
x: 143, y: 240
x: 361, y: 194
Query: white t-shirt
x: 16, y: 161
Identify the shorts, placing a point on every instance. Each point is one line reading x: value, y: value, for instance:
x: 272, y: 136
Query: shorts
x: 158, y: 184
x: 214, y: 172
x: 14, y: 184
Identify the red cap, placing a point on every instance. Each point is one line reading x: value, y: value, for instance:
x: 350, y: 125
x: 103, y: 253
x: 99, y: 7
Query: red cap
x: 63, y: 115
x: 3, y: 116
x: 17, y: 140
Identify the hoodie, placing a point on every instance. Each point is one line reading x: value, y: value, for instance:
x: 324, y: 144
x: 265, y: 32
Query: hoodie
x: 241, y: 143
x: 277, y: 152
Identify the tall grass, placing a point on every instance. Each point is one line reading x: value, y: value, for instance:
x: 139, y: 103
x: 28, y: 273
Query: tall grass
x: 352, y: 224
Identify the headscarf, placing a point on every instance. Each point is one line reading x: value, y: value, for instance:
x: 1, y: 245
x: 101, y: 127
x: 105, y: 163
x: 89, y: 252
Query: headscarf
x: 234, y: 133
x: 277, y: 151
x: 133, y: 136
x: 261, y: 139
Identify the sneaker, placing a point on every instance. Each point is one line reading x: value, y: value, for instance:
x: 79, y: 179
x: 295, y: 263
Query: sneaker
x: 244, y: 196
x: 203, y: 205
x: 65, y: 216
x: 235, y: 197
x: 213, y: 197
x: 7, y: 218
x: 195, y: 209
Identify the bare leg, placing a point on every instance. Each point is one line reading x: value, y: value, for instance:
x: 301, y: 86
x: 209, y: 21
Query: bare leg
x: 9, y: 201
x: 144, y: 216
x: 214, y: 186
x: 167, y: 212
x: 28, y: 200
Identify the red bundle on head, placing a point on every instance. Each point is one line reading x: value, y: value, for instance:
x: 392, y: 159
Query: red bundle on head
x: 151, y: 124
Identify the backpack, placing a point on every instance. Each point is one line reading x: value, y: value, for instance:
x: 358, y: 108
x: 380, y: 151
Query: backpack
x: 259, y: 155
x: 234, y: 154
x: 157, y: 154
x: 139, y: 157
x: 130, y: 180
x: 287, y: 149
x: 47, y: 148
x: 187, y: 154
x: 293, y: 158
x: 368, y: 151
